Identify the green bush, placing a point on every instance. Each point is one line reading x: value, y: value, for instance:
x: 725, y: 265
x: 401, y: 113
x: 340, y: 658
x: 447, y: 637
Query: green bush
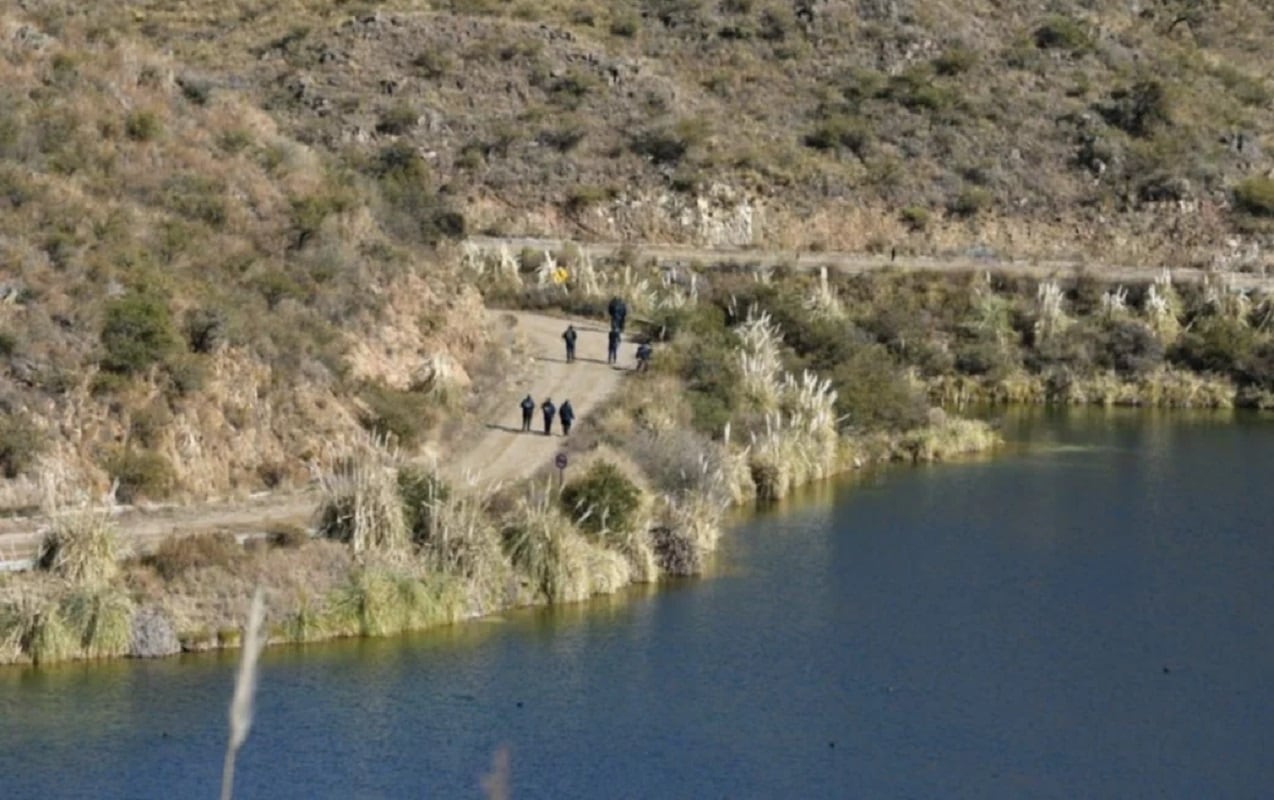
x: 143, y: 126
x: 1215, y: 344
x: 398, y: 120
x: 21, y: 444
x: 915, y: 218
x: 955, y: 61
x: 603, y: 501
x: 970, y: 201
x: 138, y: 332
x: 1063, y: 33
x: 1140, y: 109
x: 625, y: 25
x: 840, y: 132
x: 404, y: 415
x: 873, y: 394
x: 140, y: 473
x: 1255, y: 196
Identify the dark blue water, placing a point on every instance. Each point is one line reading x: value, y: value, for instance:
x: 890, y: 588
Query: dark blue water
x: 1087, y: 615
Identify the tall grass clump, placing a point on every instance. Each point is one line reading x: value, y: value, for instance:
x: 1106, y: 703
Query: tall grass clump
x: 457, y: 536
x: 378, y: 601
x: 103, y: 619
x: 760, y: 360
x: 81, y: 544
x: 361, y: 505
x: 36, y: 629
x: 559, y: 564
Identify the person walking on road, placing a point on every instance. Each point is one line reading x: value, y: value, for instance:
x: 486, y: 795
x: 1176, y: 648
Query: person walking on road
x: 550, y: 411
x: 569, y: 337
x: 618, y: 311
x: 567, y: 415
x: 644, y: 352
x: 528, y: 409
x: 612, y: 345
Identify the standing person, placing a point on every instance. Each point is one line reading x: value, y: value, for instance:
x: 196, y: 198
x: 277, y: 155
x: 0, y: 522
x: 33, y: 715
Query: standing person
x: 612, y: 308
x: 549, y: 411
x: 528, y: 409
x: 644, y: 352
x: 569, y: 337
x: 567, y: 415
x: 612, y: 345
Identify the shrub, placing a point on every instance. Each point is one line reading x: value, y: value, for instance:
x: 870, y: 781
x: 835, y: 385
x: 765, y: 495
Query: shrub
x: 873, y: 394
x: 143, y: 126
x: 1058, y: 32
x: 625, y: 25
x: 1128, y: 347
x: 287, y: 537
x: 141, y: 473
x: 1215, y: 344
x: 955, y: 61
x: 138, y: 332
x: 604, y: 501
x: 970, y: 201
x: 361, y: 503
x: 21, y: 444
x: 915, y: 218
x: 1140, y: 109
x: 205, y: 330
x: 397, y: 120
x: 404, y: 415
x: 840, y: 132
x: 178, y: 555
x: 1255, y: 196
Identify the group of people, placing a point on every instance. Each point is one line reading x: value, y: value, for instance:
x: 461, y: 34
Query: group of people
x: 566, y: 414
x: 618, y: 311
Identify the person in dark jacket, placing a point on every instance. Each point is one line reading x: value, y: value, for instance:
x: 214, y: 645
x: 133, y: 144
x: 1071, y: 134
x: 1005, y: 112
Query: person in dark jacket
x: 567, y: 415
x: 644, y: 352
x: 528, y: 410
x: 612, y: 345
x: 618, y: 311
x: 550, y: 411
x: 569, y: 337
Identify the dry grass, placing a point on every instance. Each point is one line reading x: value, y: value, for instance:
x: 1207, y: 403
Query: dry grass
x: 361, y: 505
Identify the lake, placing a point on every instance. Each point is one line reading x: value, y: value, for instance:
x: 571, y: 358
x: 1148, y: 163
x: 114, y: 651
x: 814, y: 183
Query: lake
x: 1088, y: 614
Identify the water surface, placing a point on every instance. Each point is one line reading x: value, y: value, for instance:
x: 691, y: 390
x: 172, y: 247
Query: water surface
x: 1086, y: 615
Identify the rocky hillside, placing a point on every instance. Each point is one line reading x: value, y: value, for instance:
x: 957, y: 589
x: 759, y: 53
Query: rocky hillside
x: 1136, y: 130
x: 193, y: 302
x: 218, y: 220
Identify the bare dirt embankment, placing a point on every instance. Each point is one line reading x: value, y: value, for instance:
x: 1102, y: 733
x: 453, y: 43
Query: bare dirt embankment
x: 497, y: 450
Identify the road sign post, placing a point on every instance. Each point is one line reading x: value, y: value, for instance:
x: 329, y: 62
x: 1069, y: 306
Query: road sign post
x: 560, y: 462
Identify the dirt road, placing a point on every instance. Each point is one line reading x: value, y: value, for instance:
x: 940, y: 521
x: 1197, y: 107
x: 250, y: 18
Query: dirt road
x: 503, y: 452
x: 499, y: 450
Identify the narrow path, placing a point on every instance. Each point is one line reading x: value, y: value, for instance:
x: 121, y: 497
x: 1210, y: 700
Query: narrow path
x: 857, y: 263
x: 499, y: 451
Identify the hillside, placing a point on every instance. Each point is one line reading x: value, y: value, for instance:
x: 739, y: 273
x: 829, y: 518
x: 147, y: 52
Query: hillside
x: 194, y: 302
x: 1132, y: 132
x: 225, y: 227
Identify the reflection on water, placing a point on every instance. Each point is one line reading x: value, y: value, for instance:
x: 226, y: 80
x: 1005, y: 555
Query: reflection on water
x: 1085, y: 615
